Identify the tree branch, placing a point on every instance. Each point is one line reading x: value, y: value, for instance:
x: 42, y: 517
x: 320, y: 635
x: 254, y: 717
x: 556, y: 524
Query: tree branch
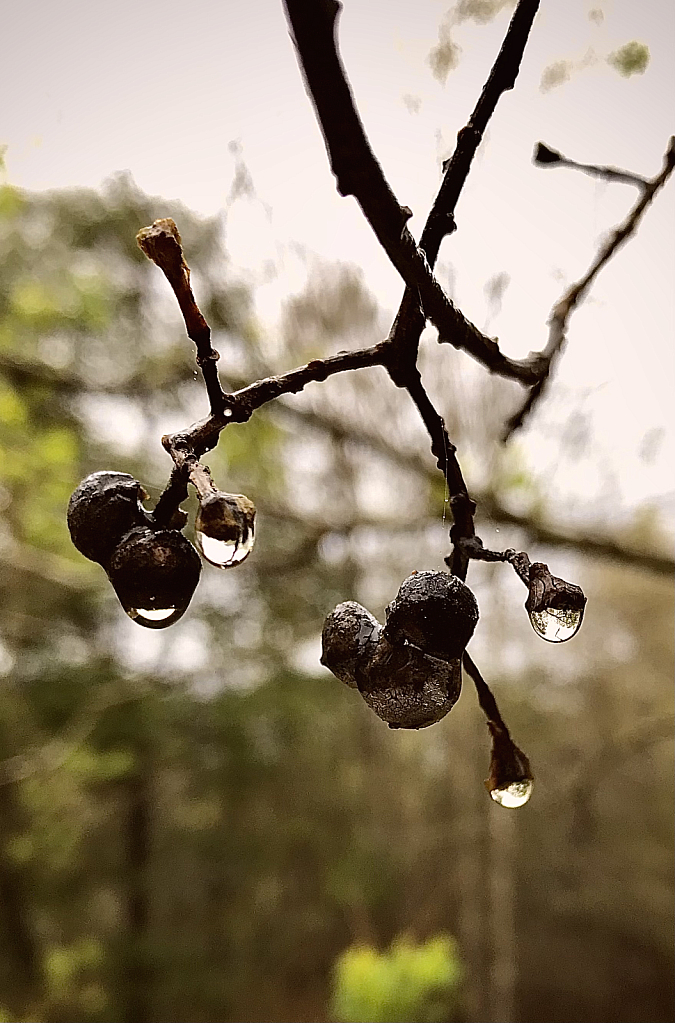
x: 564, y: 308
x: 359, y: 174
x: 161, y: 243
x: 547, y: 157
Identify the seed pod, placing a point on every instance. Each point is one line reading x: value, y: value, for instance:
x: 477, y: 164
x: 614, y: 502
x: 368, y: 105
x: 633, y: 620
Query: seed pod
x: 154, y: 574
x: 104, y: 507
x: 435, y: 611
x: 410, y: 689
x: 404, y: 686
x: 349, y: 641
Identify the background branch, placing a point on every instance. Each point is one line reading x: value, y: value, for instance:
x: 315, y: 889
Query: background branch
x: 564, y: 308
x: 547, y: 157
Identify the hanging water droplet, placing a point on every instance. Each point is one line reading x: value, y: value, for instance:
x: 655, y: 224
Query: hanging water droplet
x: 155, y: 617
x: 555, y: 625
x: 515, y: 794
x: 226, y: 553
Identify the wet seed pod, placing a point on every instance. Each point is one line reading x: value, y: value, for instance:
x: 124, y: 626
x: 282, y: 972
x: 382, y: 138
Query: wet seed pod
x: 104, y: 507
x: 225, y: 528
x: 403, y: 685
x: 435, y: 611
x: 349, y: 642
x: 154, y: 574
x: 410, y: 689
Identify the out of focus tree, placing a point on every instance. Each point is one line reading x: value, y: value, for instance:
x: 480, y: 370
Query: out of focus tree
x: 194, y: 825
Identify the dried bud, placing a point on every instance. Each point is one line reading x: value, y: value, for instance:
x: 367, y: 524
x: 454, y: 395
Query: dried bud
x: 154, y: 574
x: 555, y: 607
x: 410, y: 689
x: 511, y: 781
x: 543, y: 154
x: 225, y: 528
x: 435, y: 611
x: 161, y: 242
x: 104, y: 507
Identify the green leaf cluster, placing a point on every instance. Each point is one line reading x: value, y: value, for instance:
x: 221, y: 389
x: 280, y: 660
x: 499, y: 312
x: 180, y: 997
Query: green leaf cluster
x: 409, y: 981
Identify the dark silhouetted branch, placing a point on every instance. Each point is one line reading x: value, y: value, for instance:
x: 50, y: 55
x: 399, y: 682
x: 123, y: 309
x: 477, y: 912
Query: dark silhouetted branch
x: 358, y: 173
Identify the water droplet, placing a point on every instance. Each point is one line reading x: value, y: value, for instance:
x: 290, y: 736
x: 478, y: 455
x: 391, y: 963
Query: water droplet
x: 226, y: 553
x: 515, y: 794
x: 555, y: 625
x: 227, y: 413
x: 155, y: 617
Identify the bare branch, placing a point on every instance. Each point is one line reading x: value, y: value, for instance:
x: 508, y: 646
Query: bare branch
x: 564, y: 308
x: 547, y: 157
x: 359, y: 174
x: 162, y: 244
x: 203, y: 436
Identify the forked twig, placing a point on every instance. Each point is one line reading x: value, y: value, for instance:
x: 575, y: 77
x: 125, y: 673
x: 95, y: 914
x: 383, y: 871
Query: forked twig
x: 563, y: 309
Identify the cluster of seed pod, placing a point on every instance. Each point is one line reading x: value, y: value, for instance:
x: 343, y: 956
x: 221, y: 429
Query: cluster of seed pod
x: 409, y: 670
x: 154, y: 570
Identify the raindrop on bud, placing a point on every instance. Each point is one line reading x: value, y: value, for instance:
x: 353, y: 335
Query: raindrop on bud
x: 154, y: 618
x: 555, y: 607
x: 515, y: 794
x: 225, y: 553
x: 225, y: 529
x: 555, y: 625
x: 510, y: 783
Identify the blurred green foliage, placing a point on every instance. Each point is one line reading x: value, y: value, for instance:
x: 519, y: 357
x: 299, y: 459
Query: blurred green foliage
x: 409, y: 981
x: 631, y: 59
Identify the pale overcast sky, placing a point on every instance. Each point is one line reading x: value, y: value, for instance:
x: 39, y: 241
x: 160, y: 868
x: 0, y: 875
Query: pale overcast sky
x: 161, y: 89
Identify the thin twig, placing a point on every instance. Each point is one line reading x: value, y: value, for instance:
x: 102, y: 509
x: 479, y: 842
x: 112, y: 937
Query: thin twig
x: 547, y: 157
x: 203, y: 436
x: 162, y: 244
x: 461, y: 505
x: 486, y: 700
x: 564, y: 308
